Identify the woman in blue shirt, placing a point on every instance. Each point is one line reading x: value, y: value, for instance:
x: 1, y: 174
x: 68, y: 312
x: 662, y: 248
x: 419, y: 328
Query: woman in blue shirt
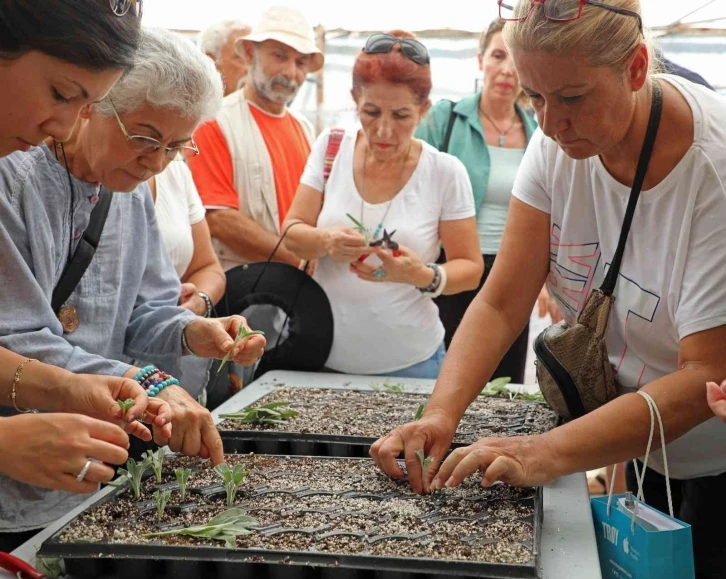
x: 487, y: 130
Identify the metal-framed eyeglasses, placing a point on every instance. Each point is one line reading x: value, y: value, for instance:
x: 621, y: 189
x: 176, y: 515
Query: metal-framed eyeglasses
x: 121, y: 7
x: 557, y: 10
x: 148, y: 145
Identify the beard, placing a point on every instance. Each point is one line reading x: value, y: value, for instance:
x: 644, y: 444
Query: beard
x: 277, y: 89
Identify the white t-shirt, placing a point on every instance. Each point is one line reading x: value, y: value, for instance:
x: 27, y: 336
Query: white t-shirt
x: 672, y: 280
x: 178, y: 207
x: 384, y: 327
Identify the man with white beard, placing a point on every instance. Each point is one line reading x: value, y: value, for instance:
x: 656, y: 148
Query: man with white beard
x: 255, y: 151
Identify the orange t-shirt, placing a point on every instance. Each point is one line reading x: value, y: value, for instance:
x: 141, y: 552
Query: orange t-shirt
x: 213, y: 171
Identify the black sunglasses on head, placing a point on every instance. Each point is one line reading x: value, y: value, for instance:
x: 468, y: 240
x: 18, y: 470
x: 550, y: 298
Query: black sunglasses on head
x: 381, y: 43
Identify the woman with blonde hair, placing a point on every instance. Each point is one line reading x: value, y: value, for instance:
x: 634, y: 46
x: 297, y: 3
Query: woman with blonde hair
x: 586, y: 68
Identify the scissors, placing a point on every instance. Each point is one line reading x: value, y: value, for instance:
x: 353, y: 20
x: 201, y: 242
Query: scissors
x: 385, y: 242
x: 19, y: 568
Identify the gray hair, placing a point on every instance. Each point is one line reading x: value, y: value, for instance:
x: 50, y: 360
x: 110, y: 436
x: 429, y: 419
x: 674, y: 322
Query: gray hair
x: 168, y: 72
x: 213, y: 39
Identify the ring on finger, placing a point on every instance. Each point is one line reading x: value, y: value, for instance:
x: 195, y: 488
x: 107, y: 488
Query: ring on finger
x: 379, y: 272
x: 84, y: 472
x: 141, y: 417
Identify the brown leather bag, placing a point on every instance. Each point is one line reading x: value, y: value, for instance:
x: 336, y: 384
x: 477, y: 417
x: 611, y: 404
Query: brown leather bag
x: 573, y: 369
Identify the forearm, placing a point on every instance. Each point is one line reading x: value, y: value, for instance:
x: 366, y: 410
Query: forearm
x: 619, y: 431
x: 306, y: 241
x: 209, y: 280
x: 462, y: 275
x: 40, y: 385
x: 244, y: 236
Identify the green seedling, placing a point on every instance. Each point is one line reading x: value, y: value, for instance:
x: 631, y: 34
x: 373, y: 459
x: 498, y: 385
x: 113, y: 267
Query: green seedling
x: 182, y: 476
x: 125, y: 406
x: 226, y: 527
x: 267, y: 414
x: 232, y: 477
x: 420, y: 412
x: 161, y: 498
x: 499, y: 387
x: 425, y: 463
x: 156, y: 460
x: 360, y: 228
x: 50, y: 567
x: 388, y: 387
x: 133, y: 473
x: 241, y: 333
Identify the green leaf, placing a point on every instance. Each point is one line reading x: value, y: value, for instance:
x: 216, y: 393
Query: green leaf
x: 420, y: 412
x: 125, y: 406
x: 241, y: 333
x: 226, y: 527
x: 497, y: 382
x: 51, y: 567
x: 265, y: 414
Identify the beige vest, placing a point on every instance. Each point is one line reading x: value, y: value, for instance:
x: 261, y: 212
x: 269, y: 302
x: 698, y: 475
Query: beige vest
x: 254, y: 179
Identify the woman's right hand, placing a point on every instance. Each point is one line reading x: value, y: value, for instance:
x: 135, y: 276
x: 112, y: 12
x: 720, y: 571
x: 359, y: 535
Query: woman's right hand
x: 50, y: 450
x: 716, y: 395
x: 432, y: 433
x: 345, y: 245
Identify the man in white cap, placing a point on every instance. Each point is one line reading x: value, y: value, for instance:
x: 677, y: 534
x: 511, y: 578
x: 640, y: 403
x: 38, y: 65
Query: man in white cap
x: 254, y: 153
x: 221, y: 43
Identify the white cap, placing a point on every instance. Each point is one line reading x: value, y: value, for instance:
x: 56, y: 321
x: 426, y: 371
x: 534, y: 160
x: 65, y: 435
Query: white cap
x: 290, y: 27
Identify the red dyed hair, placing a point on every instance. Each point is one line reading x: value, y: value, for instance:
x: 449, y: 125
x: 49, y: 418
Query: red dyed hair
x: 394, y: 68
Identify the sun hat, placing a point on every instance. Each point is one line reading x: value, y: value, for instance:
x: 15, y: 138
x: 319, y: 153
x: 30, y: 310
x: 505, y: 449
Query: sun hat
x: 290, y: 27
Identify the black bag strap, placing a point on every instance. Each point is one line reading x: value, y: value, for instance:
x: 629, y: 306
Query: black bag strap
x: 444, y: 148
x: 84, y: 253
x: 608, y: 286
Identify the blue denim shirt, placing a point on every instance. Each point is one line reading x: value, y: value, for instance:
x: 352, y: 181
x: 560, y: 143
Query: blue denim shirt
x: 126, y: 300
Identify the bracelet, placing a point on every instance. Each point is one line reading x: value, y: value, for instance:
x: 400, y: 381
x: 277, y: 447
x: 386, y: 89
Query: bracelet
x: 442, y: 283
x: 156, y: 378
x: 168, y: 381
x: 208, y: 304
x: 16, y: 381
x: 435, y: 282
x: 185, y: 344
x: 144, y: 373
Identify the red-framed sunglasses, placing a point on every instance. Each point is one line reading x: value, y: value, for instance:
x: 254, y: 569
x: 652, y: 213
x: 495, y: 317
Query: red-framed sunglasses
x: 557, y: 10
x: 121, y: 7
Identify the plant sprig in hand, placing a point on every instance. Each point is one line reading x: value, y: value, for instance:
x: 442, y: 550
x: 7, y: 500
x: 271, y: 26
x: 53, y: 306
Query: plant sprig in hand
x: 242, y: 333
x: 125, y: 406
x: 425, y: 463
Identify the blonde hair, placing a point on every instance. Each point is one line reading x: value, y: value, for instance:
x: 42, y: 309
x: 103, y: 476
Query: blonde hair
x: 605, y: 37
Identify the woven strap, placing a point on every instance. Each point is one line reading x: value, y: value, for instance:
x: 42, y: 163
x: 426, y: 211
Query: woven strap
x: 336, y: 138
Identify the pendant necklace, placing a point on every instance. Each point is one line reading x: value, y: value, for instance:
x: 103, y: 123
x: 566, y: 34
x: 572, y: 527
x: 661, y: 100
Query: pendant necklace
x: 502, y: 134
x: 379, y: 227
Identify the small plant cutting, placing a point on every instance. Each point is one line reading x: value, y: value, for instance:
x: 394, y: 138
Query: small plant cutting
x: 156, y: 460
x: 133, y: 473
x: 232, y: 477
x: 388, y: 387
x: 182, y: 476
x: 226, y: 527
x: 419, y: 412
x: 272, y: 413
x: 360, y: 228
x: 125, y: 406
x: 161, y: 498
x: 425, y: 462
x: 498, y: 387
x: 241, y: 334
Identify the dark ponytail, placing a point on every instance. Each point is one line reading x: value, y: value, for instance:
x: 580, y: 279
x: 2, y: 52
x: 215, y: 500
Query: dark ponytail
x: 86, y: 33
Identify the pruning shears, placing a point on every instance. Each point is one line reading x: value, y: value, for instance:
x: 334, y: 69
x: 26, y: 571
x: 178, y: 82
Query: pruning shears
x: 385, y: 242
x: 19, y: 568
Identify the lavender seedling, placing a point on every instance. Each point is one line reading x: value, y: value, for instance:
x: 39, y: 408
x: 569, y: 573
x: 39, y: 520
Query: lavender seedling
x: 133, y: 473
x: 241, y: 333
x: 360, y: 228
x: 266, y: 414
x: 425, y: 463
x: 232, y: 477
x: 499, y: 387
x: 182, y: 476
x: 125, y: 406
x: 226, y: 526
x: 161, y: 498
x: 156, y: 460
x: 388, y: 387
x: 419, y: 412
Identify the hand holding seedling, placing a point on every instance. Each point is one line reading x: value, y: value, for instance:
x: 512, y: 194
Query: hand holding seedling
x: 215, y: 338
x: 242, y: 333
x: 345, y: 244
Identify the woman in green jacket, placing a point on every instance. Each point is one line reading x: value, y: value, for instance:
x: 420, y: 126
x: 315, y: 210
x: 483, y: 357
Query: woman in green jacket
x: 486, y: 131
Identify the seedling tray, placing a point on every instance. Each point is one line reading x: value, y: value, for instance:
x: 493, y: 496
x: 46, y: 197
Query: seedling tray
x: 318, y: 517
x: 345, y: 422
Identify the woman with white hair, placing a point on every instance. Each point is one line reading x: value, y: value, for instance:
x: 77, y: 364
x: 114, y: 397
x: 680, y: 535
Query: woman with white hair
x: 126, y: 302
x: 587, y: 70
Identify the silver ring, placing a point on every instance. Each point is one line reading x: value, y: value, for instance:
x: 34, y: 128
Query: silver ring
x: 84, y: 472
x: 141, y: 417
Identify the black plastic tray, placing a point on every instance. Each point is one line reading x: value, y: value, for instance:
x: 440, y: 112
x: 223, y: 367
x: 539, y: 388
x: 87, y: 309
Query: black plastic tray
x: 151, y: 561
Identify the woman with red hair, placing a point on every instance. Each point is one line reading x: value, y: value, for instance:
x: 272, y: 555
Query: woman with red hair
x: 390, y: 202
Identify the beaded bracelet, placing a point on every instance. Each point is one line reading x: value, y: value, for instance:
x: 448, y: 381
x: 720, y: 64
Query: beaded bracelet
x: 170, y: 381
x: 208, y: 307
x: 434, y: 282
x: 144, y: 373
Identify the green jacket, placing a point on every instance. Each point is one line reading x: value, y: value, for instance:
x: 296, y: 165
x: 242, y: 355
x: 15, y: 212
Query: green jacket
x: 467, y: 138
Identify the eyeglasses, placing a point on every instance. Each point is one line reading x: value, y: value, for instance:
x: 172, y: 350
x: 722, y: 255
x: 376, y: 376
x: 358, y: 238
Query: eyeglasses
x: 381, y: 43
x: 121, y: 7
x: 557, y: 10
x: 148, y: 145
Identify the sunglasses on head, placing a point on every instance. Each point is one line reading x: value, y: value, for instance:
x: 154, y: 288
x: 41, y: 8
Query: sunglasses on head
x: 381, y: 43
x: 121, y: 7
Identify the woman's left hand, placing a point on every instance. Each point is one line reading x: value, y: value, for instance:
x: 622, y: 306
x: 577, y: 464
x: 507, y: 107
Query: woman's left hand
x: 191, y: 300
x: 403, y: 267
x: 717, y: 398
x: 518, y: 461
x: 213, y: 338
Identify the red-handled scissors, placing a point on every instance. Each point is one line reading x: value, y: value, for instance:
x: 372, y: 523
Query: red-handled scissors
x: 19, y: 568
x: 386, y: 243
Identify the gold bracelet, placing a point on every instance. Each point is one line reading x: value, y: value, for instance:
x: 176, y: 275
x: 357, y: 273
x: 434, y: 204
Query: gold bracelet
x: 16, y: 381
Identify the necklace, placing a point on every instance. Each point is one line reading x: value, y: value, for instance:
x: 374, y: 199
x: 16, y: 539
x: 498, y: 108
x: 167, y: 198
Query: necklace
x: 379, y: 227
x: 502, y: 133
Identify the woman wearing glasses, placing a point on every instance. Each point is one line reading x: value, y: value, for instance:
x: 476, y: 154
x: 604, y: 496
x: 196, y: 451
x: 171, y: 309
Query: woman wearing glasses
x: 48, y: 74
x: 126, y: 302
x: 586, y: 68
x: 389, y: 202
